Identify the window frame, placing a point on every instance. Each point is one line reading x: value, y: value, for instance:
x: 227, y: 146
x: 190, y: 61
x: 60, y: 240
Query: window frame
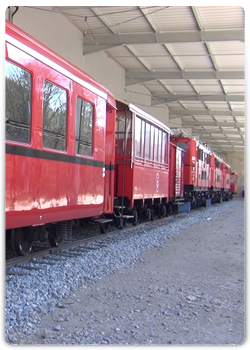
x: 50, y: 132
x: 8, y: 122
x: 78, y: 123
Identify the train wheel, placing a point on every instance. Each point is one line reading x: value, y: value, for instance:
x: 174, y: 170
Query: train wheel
x: 148, y: 214
x: 136, y: 217
x: 152, y: 214
x: 54, y: 239
x: 169, y: 209
x: 163, y: 211
x: 20, y: 244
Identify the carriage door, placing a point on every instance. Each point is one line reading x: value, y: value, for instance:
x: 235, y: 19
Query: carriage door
x: 109, y: 160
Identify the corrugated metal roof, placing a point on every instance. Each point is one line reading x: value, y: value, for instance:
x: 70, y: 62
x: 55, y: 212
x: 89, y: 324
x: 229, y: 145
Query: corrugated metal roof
x: 190, y: 58
x: 173, y: 18
x: 221, y: 17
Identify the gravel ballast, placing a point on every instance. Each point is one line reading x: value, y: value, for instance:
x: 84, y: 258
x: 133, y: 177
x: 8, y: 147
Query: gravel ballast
x: 181, y: 282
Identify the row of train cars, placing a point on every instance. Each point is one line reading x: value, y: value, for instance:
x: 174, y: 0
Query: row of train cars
x: 74, y: 153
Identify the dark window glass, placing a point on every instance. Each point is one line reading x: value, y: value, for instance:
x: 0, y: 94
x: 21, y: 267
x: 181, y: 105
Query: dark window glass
x: 84, y: 127
x: 54, y: 116
x: 123, y: 132
x: 142, y: 137
x: 183, y: 145
x: 203, y: 175
x: 152, y: 142
x: 156, y: 145
x: 200, y: 154
x: 18, y: 103
x: 138, y: 130
x: 139, y: 137
x: 208, y: 158
x: 147, y: 141
x: 165, y: 150
x: 217, y: 163
x: 120, y: 126
x: 160, y: 146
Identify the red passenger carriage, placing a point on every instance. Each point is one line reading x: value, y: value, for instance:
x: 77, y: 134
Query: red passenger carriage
x: 196, y: 170
x: 59, y: 143
x: 141, y: 163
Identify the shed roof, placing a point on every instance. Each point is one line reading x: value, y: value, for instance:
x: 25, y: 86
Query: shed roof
x: 190, y: 58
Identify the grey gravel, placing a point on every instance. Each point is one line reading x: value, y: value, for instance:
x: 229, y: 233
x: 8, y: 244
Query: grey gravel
x: 130, y: 291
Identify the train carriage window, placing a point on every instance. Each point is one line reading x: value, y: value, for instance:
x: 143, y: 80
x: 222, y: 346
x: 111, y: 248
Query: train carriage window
x: 160, y: 146
x: 147, y: 141
x: 119, y: 133
x: 84, y: 128
x: 54, y: 116
x: 123, y: 132
x: 208, y: 158
x: 183, y: 145
x: 203, y: 175
x: 163, y: 145
x: 152, y: 142
x: 200, y: 154
x: 165, y: 141
x: 18, y: 103
x: 138, y: 130
x: 156, y: 145
x: 142, y: 137
x: 139, y: 137
x: 120, y: 125
x: 217, y: 163
x: 205, y: 157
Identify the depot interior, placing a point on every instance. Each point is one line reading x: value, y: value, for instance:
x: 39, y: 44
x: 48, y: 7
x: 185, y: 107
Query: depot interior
x: 184, y: 65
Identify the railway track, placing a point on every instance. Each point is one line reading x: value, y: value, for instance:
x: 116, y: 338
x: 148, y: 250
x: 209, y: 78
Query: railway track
x: 36, y: 260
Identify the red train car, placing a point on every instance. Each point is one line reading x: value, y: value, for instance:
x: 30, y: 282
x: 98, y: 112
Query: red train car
x: 226, y: 181
x: 196, y: 170
x: 216, y: 178
x: 234, y: 183
x: 215, y: 173
x: 206, y: 175
x: 141, y: 163
x: 176, y: 176
x: 59, y: 143
x: 220, y: 179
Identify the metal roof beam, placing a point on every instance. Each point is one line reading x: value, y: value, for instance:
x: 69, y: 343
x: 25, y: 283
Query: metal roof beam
x: 135, y: 77
x: 106, y: 41
x: 219, y: 125
x: 222, y: 137
x: 176, y: 113
x: 167, y: 98
x: 102, y: 18
x: 219, y: 132
x: 226, y: 143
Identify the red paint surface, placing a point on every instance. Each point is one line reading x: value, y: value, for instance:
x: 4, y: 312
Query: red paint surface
x: 38, y: 190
